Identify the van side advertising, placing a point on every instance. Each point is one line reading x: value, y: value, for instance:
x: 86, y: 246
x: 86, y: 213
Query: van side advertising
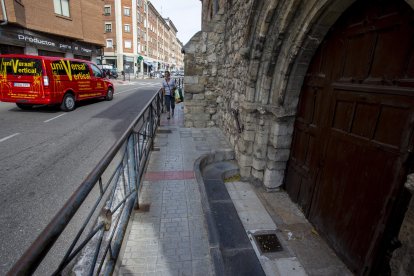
x: 37, y: 80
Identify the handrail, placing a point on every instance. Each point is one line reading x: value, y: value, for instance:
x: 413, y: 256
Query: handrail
x: 34, y: 255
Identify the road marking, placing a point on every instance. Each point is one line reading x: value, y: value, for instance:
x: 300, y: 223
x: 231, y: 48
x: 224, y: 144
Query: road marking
x: 54, y: 118
x: 8, y: 137
x: 125, y: 91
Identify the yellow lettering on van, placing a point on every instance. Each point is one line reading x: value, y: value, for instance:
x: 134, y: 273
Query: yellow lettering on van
x: 67, y: 68
x: 15, y: 65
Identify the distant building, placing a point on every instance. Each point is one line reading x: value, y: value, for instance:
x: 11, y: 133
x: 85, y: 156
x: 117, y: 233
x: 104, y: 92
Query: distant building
x: 52, y: 28
x: 138, y: 39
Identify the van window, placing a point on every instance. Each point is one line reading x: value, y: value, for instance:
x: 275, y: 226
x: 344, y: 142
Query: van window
x: 96, y: 71
x: 21, y: 66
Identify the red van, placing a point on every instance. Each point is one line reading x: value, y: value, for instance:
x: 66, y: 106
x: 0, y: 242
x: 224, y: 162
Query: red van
x: 39, y: 80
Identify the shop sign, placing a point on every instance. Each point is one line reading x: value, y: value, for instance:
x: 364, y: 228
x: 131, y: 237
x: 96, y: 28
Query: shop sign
x: 17, y: 36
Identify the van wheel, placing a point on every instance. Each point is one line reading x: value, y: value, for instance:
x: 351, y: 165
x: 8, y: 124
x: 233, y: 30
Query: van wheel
x: 24, y: 106
x: 68, y: 103
x: 109, y: 94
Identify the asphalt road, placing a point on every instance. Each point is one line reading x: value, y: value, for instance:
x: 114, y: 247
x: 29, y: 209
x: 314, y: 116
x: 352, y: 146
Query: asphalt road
x: 46, y: 153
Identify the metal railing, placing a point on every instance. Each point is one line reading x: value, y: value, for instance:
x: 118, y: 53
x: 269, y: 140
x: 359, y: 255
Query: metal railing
x: 115, y: 184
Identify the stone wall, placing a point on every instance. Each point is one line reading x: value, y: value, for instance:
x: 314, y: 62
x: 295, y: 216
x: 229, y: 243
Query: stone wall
x: 244, y: 73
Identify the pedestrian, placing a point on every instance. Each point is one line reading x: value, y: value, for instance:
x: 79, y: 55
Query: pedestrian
x: 168, y: 89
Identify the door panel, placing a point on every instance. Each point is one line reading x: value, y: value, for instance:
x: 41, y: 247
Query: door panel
x: 353, y: 129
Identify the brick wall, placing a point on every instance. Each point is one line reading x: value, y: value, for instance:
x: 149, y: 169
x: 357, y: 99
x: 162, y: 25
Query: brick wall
x: 84, y: 22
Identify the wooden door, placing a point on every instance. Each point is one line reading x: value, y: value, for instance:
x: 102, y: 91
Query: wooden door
x: 354, y: 130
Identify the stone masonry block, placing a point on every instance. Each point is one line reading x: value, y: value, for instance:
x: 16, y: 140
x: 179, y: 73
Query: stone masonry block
x: 248, y: 135
x: 273, y: 165
x: 259, y: 164
x: 262, y: 136
x: 245, y: 146
x: 281, y: 142
x: 273, y: 179
x: 200, y: 124
x: 257, y: 174
x: 245, y: 172
x: 188, y: 123
x: 250, y: 92
x: 245, y: 160
x: 279, y: 129
x: 260, y: 151
x: 194, y: 88
x: 278, y: 154
x: 211, y: 124
x: 191, y: 80
x: 198, y: 97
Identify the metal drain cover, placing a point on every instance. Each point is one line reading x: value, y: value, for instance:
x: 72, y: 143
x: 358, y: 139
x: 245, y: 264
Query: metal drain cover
x: 268, y: 243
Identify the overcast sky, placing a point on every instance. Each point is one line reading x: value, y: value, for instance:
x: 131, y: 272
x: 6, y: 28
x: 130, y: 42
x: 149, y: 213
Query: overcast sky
x: 185, y: 14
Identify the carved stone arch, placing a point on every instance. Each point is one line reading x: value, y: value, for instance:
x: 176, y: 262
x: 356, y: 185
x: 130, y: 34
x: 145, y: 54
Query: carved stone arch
x: 289, y: 76
x: 251, y: 26
x: 277, y: 32
x: 275, y: 17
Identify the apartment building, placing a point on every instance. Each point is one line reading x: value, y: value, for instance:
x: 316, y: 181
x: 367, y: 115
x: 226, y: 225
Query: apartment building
x: 138, y: 39
x: 52, y: 28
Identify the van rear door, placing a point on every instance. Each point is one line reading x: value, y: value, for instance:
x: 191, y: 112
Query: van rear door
x: 21, y: 80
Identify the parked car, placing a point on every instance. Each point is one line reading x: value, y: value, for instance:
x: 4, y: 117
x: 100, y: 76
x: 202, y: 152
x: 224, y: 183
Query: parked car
x: 38, y: 80
x: 113, y: 73
x: 158, y: 74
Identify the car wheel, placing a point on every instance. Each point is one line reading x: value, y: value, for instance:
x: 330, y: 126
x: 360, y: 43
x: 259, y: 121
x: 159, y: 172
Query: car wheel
x: 109, y: 94
x: 68, y: 103
x: 24, y: 106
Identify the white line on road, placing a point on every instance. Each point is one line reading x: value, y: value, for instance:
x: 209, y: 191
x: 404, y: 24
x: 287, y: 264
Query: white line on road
x: 54, y: 118
x: 8, y: 137
x: 125, y: 91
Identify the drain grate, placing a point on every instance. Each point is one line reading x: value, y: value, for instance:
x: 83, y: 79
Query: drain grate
x: 268, y: 243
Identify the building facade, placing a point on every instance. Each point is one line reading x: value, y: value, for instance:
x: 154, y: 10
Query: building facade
x: 138, y: 38
x: 58, y: 28
x: 316, y: 98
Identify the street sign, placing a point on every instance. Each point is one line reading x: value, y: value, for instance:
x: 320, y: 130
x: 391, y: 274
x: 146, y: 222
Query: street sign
x: 140, y: 58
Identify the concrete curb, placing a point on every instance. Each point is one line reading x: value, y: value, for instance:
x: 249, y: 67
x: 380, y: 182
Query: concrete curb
x: 213, y: 235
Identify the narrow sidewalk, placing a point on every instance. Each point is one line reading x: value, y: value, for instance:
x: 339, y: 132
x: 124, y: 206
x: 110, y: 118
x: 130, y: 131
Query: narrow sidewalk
x: 167, y: 236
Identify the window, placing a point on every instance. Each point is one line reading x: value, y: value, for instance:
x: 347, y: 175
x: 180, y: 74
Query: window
x: 109, y: 43
x: 107, y: 10
x: 127, y: 11
x: 127, y: 28
x: 61, y: 7
x: 145, y: 8
x: 108, y: 27
x: 96, y: 71
x: 128, y: 44
x: 139, y: 3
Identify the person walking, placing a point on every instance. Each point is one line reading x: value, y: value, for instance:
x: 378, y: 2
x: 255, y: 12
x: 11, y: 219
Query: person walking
x: 168, y: 89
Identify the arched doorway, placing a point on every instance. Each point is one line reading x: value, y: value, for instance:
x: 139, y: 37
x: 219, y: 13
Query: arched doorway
x: 354, y: 131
